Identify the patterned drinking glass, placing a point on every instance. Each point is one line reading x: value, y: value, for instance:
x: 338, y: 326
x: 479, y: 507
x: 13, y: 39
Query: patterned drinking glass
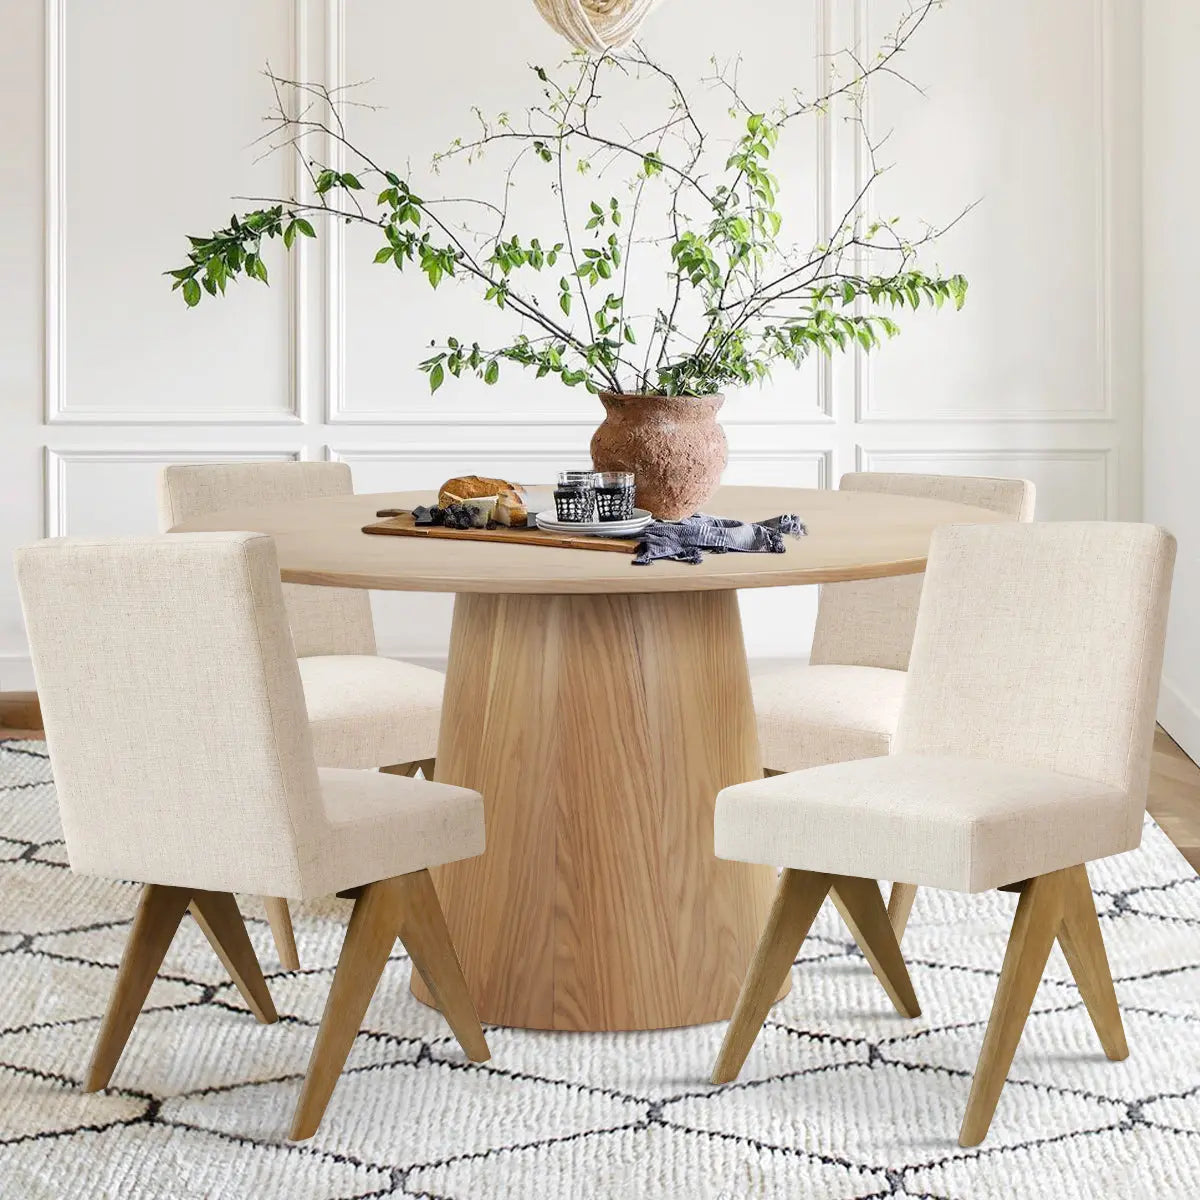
x: 614, y: 495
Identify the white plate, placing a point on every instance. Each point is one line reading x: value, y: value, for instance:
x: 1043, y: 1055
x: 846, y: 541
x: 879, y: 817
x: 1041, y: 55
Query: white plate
x: 549, y: 520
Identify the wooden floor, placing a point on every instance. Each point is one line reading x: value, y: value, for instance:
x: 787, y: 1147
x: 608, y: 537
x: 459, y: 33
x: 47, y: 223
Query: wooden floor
x: 1175, y: 796
x: 1174, y: 779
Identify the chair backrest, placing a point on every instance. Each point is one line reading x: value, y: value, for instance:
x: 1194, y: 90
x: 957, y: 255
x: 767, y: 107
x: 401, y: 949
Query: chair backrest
x: 323, y: 620
x: 1042, y: 645
x: 173, y: 709
x: 870, y: 622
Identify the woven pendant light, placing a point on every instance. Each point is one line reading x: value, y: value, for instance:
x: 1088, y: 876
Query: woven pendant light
x: 595, y: 25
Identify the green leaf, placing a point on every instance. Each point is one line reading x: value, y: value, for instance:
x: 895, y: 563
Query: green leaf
x: 305, y: 228
x: 382, y: 256
x: 437, y: 377
x: 564, y: 302
x: 350, y: 181
x: 191, y: 293
x: 491, y: 372
x: 289, y: 234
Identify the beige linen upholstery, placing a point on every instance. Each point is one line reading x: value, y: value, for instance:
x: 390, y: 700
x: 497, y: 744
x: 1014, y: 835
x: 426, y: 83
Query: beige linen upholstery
x: 366, y: 711
x: 1034, y: 673
x: 1022, y: 753
x: 808, y: 716
x: 844, y: 704
x: 870, y: 622
x: 183, y: 759
x: 323, y: 620
x: 178, y: 734
x: 846, y: 701
x: 930, y: 819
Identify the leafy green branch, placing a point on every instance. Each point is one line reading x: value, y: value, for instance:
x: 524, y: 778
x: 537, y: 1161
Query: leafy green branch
x: 738, y: 300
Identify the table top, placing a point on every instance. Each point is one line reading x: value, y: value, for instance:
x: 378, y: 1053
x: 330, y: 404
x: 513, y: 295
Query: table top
x: 851, y: 535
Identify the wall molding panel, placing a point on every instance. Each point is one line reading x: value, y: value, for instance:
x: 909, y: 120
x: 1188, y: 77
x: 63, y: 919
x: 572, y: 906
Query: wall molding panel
x: 57, y: 472
x: 57, y: 407
x: 339, y: 410
x: 1104, y: 460
x: 1104, y: 99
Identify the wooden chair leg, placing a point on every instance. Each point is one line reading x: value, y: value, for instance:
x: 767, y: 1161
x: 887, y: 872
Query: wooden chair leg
x: 1036, y: 925
x: 1083, y: 947
x: 281, y: 930
x: 159, y: 912
x: 424, y: 934
x: 370, y: 936
x: 797, y: 902
x: 217, y: 914
x: 900, y: 902
x: 861, y: 905
x: 408, y: 769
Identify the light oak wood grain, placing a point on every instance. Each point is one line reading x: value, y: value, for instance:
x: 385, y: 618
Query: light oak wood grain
x: 159, y: 911
x: 599, y: 730
x: 1083, y: 947
x: 20, y: 712
x: 404, y: 906
x: 217, y: 915
x: 900, y: 904
x: 1174, y: 800
x: 861, y: 906
x: 1035, y: 926
x: 427, y: 939
x: 851, y: 535
x: 370, y: 936
x: 280, y: 920
x: 404, y: 526
x: 798, y: 899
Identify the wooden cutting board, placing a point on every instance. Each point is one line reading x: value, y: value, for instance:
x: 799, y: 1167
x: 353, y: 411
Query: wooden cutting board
x: 403, y: 526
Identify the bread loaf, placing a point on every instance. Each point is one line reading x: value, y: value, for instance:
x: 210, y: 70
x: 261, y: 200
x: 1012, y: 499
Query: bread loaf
x: 469, y: 487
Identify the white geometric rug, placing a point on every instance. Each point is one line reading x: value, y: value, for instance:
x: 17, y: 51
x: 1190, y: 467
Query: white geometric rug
x: 840, y: 1097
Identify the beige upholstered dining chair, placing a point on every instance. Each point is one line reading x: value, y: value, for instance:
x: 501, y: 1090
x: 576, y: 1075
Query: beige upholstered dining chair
x: 364, y: 710
x: 1022, y: 753
x: 183, y: 760
x: 844, y: 704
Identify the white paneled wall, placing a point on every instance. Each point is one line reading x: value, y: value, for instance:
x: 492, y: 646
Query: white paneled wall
x: 145, y: 133
x: 1172, y: 265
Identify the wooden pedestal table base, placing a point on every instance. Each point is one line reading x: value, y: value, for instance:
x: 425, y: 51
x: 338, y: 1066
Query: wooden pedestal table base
x: 599, y: 729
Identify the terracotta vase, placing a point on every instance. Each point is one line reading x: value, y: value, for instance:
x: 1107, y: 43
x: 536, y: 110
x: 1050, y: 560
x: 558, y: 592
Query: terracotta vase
x: 672, y: 444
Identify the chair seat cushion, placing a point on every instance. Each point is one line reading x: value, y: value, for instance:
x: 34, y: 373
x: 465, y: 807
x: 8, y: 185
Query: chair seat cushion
x: 383, y: 825
x: 809, y: 716
x: 958, y: 823
x: 369, y: 711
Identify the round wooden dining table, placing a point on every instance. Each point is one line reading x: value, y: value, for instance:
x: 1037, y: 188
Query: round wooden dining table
x: 599, y: 707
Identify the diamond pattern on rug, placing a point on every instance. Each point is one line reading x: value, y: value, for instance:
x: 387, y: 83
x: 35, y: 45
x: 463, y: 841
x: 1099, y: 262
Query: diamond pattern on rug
x: 840, y: 1097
